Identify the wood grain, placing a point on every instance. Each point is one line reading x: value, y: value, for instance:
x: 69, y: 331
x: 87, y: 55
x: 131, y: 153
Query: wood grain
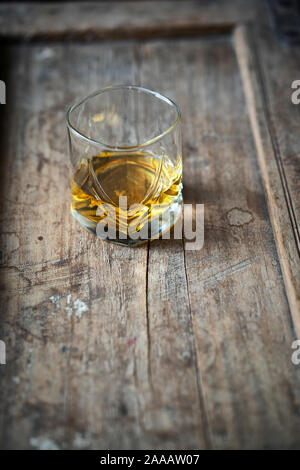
x: 232, y: 280
x: 157, y: 347
x: 118, y: 20
x: 273, y: 173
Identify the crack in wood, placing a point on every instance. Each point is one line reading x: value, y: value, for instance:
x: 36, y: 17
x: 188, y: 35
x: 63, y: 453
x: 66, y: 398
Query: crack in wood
x: 207, y: 431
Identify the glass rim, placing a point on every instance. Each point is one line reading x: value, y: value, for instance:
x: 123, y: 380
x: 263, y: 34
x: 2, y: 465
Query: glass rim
x: 158, y: 95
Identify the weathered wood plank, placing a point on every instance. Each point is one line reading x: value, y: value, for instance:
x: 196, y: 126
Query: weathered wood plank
x: 115, y: 20
x: 284, y: 123
x: 276, y: 183
x: 69, y: 301
x: 240, y: 316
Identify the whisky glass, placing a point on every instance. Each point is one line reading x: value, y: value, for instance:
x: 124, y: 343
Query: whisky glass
x: 126, y: 163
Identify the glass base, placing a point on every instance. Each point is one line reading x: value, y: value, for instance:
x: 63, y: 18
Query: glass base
x: 158, y: 226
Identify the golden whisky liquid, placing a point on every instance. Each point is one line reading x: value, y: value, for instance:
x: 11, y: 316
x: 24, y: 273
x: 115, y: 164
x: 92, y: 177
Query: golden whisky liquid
x: 151, y: 184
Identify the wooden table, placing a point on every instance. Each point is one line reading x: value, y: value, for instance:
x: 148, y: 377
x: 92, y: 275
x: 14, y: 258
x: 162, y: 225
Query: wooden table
x: 154, y: 347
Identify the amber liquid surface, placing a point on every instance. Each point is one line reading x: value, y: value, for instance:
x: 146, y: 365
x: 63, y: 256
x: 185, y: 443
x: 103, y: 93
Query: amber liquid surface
x: 151, y: 184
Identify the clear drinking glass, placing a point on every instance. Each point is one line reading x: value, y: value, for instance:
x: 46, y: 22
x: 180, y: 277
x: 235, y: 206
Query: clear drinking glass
x: 126, y: 163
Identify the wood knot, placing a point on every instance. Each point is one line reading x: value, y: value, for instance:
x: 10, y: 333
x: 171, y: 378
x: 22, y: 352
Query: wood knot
x: 238, y: 217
